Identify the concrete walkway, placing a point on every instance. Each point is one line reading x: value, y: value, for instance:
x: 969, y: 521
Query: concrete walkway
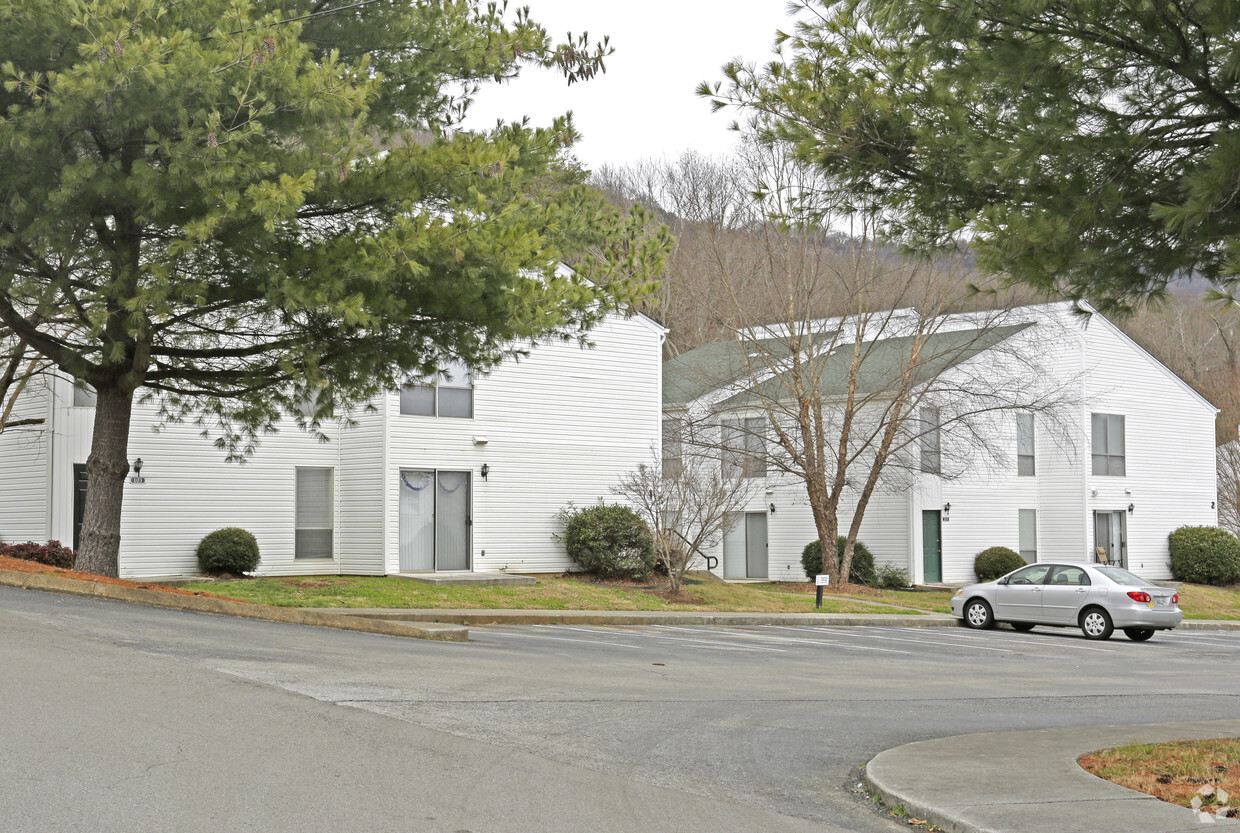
x: 1029, y: 782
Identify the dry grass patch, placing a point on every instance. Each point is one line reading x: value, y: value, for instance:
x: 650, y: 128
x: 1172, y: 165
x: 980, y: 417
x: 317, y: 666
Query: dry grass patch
x: 1200, y: 601
x: 1189, y: 773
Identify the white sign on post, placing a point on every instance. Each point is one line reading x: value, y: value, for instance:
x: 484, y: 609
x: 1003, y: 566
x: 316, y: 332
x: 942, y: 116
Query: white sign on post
x: 822, y: 580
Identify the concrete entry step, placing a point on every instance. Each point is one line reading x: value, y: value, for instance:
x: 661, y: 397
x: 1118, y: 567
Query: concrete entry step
x: 478, y: 579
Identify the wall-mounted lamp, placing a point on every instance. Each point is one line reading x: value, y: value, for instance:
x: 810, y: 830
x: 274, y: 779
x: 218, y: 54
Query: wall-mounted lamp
x: 772, y: 508
x: 1211, y: 504
x: 137, y: 472
x: 1130, y: 508
x: 485, y: 471
x: 1093, y: 493
x: 947, y: 511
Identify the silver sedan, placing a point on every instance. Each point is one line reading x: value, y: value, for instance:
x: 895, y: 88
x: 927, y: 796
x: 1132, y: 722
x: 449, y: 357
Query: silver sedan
x: 1093, y: 597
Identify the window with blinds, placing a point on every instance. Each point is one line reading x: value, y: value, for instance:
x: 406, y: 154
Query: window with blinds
x: 1028, y: 533
x: 314, y: 512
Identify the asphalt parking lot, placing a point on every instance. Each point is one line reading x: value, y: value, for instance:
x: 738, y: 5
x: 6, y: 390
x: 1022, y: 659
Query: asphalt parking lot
x: 760, y: 720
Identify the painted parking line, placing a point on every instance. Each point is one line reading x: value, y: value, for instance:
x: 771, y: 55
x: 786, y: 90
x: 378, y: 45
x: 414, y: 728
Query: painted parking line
x: 794, y: 640
x: 715, y: 646
x: 1026, y: 639
x: 916, y: 638
x: 1201, y: 639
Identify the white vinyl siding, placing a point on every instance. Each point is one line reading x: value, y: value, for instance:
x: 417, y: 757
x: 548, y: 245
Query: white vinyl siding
x: 1025, y: 459
x: 25, y: 457
x: 315, y: 510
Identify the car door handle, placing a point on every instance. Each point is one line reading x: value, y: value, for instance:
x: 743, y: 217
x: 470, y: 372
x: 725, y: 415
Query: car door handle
x: 1082, y: 589
x: 1037, y: 589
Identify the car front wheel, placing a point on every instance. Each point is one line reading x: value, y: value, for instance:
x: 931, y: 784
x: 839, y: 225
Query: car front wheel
x: 1096, y: 624
x: 977, y: 615
x: 1138, y: 634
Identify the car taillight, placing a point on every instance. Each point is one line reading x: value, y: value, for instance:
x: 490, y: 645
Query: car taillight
x: 1175, y: 600
x: 1139, y: 596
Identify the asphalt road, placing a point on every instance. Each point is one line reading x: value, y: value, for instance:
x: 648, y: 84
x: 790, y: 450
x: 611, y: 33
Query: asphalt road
x: 130, y: 719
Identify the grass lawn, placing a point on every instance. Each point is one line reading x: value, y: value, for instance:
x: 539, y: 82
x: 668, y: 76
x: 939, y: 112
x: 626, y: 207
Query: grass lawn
x: 1178, y: 772
x: 558, y: 593
x: 1200, y: 601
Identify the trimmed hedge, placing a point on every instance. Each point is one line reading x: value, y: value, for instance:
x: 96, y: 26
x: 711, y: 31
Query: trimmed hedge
x: 609, y: 541
x: 228, y: 550
x: 1204, y: 555
x: 861, y: 571
x: 53, y: 553
x: 990, y: 564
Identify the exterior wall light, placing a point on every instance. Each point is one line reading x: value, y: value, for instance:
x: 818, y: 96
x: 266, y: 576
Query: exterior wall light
x: 137, y: 472
x: 772, y: 508
x: 485, y: 471
x: 947, y: 511
x: 1130, y: 508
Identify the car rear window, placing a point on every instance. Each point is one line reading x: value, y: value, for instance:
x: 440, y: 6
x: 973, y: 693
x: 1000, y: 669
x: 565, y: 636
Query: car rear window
x: 1120, y: 576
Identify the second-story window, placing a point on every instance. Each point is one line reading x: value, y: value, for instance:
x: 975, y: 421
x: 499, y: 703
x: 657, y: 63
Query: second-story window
x: 1025, y: 466
x: 1108, y: 444
x: 451, y: 395
x: 672, y: 447
x: 931, y: 446
x: 743, y: 447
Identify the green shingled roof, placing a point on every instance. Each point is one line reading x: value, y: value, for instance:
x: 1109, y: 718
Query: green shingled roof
x: 712, y: 366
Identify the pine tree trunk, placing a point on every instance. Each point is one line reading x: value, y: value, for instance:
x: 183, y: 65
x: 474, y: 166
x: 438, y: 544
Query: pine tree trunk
x: 106, y: 468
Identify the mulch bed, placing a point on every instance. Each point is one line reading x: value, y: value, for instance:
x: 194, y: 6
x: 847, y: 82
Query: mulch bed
x: 22, y: 566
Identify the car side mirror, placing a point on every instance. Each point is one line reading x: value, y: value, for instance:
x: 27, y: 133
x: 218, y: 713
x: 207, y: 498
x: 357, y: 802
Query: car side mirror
x: 1003, y: 580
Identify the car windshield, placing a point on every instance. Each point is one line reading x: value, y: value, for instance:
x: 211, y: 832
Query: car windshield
x: 1120, y: 576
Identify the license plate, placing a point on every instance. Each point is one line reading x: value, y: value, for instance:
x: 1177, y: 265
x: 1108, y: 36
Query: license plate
x: 1162, y: 600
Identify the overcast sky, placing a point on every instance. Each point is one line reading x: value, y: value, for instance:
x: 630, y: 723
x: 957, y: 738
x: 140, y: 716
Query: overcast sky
x: 644, y: 106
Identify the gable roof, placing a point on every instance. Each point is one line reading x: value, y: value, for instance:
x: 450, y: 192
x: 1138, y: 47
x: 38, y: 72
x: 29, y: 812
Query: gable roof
x: 711, y: 367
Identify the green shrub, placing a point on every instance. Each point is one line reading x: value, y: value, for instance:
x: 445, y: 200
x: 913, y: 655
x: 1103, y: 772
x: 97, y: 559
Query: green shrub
x: 52, y: 553
x: 228, y: 550
x: 861, y: 571
x: 891, y: 577
x: 1204, y: 555
x: 610, y: 541
x: 994, y: 562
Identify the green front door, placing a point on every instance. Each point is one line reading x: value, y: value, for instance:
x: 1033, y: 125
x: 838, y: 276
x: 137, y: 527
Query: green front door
x: 932, y: 546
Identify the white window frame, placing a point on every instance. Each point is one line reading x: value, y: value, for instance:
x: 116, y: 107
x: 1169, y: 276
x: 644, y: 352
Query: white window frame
x: 931, y: 439
x: 299, y: 523
x: 1112, y: 462
x: 1026, y: 436
x: 449, y: 378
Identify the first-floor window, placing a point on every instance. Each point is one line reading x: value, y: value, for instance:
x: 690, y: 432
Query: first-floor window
x: 314, y: 512
x: 1029, y: 534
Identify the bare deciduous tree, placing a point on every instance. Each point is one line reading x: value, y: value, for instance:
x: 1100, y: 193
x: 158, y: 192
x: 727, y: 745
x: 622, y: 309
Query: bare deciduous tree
x: 688, y: 502
x: 1228, y: 457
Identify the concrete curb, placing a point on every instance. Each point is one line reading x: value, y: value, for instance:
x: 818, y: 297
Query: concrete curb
x: 1029, y: 782
x: 643, y: 617
x: 226, y: 607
